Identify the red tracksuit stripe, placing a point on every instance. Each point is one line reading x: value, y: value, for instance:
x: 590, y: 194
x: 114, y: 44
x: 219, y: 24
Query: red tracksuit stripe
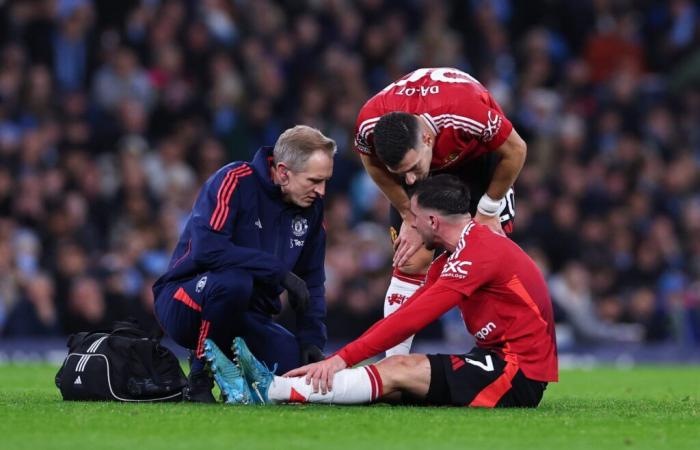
x: 223, y: 213
x: 203, y: 333
x: 223, y: 195
x: 184, y: 255
x: 227, y: 198
x: 182, y: 296
x: 219, y: 193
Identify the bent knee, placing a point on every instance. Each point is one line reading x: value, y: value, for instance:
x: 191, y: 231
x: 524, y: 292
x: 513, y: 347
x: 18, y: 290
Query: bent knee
x: 403, y: 371
x: 402, y: 361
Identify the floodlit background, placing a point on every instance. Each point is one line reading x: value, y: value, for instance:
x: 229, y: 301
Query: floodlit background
x: 113, y: 113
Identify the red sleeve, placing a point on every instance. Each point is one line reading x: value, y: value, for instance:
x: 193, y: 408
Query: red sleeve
x: 421, y: 309
x: 364, y: 128
x: 482, y: 119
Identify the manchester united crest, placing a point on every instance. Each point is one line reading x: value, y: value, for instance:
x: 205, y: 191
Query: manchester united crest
x: 299, y: 226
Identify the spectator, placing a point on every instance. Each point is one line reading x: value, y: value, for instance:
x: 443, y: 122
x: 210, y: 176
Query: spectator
x: 88, y: 307
x: 111, y: 116
x: 35, y: 314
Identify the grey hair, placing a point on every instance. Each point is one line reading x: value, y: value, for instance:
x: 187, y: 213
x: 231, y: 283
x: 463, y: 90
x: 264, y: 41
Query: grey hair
x: 296, y: 145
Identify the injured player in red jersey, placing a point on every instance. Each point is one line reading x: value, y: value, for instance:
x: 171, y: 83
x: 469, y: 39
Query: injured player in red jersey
x: 504, y: 302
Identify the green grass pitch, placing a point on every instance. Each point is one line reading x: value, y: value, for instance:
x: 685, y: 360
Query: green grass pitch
x: 639, y: 408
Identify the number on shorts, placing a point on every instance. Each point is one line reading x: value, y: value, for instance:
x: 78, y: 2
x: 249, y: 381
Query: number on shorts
x: 488, y: 367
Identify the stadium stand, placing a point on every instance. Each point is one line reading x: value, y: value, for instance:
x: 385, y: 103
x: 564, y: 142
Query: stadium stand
x: 113, y: 113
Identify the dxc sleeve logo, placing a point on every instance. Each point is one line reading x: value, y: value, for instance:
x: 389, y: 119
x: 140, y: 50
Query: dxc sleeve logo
x: 455, y: 269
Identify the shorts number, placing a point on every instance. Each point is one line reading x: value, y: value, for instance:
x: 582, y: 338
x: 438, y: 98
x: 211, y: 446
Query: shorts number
x: 488, y: 367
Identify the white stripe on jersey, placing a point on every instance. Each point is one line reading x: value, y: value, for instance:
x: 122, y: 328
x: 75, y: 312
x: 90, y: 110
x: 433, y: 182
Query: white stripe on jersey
x: 443, y: 120
x: 369, y: 124
x: 465, y: 120
x: 367, y: 131
x: 364, y: 136
x: 460, y: 126
x: 460, y: 118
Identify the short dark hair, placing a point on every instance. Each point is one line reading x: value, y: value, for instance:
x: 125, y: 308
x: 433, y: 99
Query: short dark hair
x: 394, y: 134
x: 444, y: 193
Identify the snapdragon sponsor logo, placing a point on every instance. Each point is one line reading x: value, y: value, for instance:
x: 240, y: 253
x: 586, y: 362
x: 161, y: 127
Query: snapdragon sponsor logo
x: 488, y: 328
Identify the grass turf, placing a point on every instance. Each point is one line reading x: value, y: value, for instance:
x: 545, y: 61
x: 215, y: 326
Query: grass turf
x: 638, y: 408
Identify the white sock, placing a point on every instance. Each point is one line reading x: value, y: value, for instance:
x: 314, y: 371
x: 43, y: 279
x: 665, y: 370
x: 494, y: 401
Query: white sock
x: 399, y: 291
x: 350, y: 387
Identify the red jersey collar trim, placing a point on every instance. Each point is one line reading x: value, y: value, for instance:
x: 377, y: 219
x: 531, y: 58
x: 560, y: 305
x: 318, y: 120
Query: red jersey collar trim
x: 467, y: 228
x: 428, y: 118
x: 461, y: 243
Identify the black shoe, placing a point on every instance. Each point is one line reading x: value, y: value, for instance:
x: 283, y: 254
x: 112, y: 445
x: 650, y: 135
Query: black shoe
x: 199, y: 386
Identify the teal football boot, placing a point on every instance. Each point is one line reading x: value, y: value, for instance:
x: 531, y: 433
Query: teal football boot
x: 256, y: 373
x: 227, y: 375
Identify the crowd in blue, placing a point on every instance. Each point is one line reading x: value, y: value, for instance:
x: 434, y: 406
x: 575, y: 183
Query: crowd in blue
x: 112, y: 114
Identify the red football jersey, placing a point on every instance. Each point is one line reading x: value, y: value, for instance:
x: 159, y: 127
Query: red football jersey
x: 501, y: 293
x: 467, y: 121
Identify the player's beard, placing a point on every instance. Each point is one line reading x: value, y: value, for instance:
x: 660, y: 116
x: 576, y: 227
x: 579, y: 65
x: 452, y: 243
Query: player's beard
x: 428, y: 241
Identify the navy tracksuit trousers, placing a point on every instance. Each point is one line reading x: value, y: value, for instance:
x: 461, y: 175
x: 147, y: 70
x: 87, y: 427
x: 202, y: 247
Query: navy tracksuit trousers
x: 216, y: 305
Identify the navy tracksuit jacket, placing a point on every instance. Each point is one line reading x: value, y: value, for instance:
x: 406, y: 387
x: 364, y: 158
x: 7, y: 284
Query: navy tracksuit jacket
x: 224, y: 276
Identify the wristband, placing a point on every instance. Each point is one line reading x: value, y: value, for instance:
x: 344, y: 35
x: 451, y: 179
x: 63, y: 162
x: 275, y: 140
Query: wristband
x: 488, y: 206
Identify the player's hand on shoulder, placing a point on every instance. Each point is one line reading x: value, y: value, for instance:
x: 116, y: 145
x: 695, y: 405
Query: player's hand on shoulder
x: 320, y: 375
x: 406, y: 245
x: 493, y: 222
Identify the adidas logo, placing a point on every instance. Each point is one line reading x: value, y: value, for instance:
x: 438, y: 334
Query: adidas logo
x: 78, y: 380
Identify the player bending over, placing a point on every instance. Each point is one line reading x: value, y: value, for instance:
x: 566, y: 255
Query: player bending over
x: 436, y: 120
x: 504, y: 302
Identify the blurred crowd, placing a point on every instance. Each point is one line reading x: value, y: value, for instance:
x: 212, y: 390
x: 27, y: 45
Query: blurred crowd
x: 112, y: 114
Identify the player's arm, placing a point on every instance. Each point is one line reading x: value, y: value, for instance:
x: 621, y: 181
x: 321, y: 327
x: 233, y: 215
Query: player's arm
x: 213, y: 218
x: 512, y: 152
x: 424, y: 308
x: 429, y: 302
